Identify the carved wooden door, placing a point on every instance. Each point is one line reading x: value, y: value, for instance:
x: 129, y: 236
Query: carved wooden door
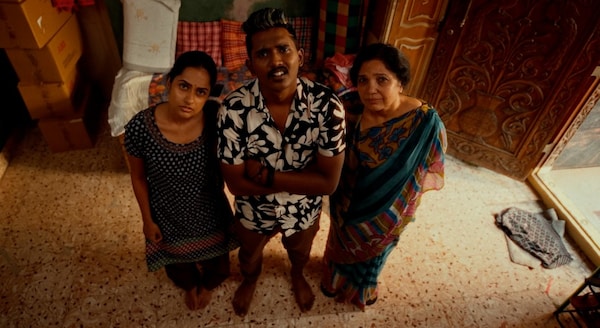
x: 411, y: 26
x: 506, y: 76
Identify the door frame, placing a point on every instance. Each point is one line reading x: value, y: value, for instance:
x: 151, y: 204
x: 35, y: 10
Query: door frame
x: 588, y: 241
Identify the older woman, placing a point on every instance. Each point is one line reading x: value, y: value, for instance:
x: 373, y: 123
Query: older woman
x: 395, y: 152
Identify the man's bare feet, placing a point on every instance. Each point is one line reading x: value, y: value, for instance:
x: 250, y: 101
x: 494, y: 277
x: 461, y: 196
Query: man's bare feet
x: 191, y: 298
x: 302, y: 292
x: 242, y: 297
x: 204, y: 296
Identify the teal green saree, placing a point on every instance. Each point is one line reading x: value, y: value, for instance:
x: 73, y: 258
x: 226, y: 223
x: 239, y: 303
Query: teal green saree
x: 387, y: 169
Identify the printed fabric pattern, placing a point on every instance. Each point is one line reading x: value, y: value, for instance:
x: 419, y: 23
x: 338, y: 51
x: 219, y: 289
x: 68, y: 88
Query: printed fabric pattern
x: 186, y: 194
x: 534, y: 234
x: 314, y: 125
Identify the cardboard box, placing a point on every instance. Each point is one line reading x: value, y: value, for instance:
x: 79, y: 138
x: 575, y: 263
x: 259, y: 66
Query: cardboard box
x: 55, y: 61
x: 66, y: 134
x: 52, y: 99
x: 75, y: 132
x: 29, y: 24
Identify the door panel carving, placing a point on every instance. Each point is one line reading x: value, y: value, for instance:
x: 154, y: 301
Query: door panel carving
x: 505, y: 76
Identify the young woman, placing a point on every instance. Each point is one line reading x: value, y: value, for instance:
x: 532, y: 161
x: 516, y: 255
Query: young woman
x: 395, y: 152
x: 177, y: 183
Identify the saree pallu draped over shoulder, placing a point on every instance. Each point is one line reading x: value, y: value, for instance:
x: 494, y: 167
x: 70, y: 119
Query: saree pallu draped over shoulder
x: 388, y: 168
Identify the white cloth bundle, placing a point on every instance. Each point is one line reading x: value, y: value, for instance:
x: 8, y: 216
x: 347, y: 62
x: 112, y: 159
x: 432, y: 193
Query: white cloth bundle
x: 129, y: 96
x: 150, y: 34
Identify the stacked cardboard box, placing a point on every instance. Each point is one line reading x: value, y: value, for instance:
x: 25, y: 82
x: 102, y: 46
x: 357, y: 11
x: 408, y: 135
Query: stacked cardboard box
x: 44, y: 46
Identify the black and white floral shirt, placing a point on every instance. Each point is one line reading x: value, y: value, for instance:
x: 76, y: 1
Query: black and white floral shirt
x: 247, y: 130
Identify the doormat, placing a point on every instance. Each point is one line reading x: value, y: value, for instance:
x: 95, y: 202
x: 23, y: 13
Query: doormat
x: 534, y: 237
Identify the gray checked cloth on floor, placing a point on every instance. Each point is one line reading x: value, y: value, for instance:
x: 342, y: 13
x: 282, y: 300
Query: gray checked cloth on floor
x: 539, y: 234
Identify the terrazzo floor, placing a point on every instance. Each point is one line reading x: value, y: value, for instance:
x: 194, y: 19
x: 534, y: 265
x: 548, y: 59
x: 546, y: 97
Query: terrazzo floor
x: 72, y: 255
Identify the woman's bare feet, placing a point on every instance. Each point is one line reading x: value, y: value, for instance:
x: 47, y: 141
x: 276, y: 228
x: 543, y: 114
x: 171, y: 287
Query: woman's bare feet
x: 243, y: 297
x: 191, y: 298
x: 204, y: 296
x: 302, y: 292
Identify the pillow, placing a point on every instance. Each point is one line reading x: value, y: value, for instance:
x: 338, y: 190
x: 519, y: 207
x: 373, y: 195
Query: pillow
x: 233, y: 41
x: 204, y: 36
x: 149, y: 34
x: 231, y: 80
x: 304, y: 28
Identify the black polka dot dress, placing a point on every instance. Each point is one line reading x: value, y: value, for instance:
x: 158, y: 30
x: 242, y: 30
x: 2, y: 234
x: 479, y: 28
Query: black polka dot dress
x: 186, y: 194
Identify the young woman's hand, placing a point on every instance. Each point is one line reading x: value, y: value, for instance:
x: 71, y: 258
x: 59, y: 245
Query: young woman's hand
x: 152, y: 232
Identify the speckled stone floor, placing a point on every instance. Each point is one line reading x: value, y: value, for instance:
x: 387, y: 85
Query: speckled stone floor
x: 72, y: 255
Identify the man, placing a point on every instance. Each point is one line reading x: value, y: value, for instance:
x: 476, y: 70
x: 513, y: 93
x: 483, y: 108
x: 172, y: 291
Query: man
x: 281, y: 145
